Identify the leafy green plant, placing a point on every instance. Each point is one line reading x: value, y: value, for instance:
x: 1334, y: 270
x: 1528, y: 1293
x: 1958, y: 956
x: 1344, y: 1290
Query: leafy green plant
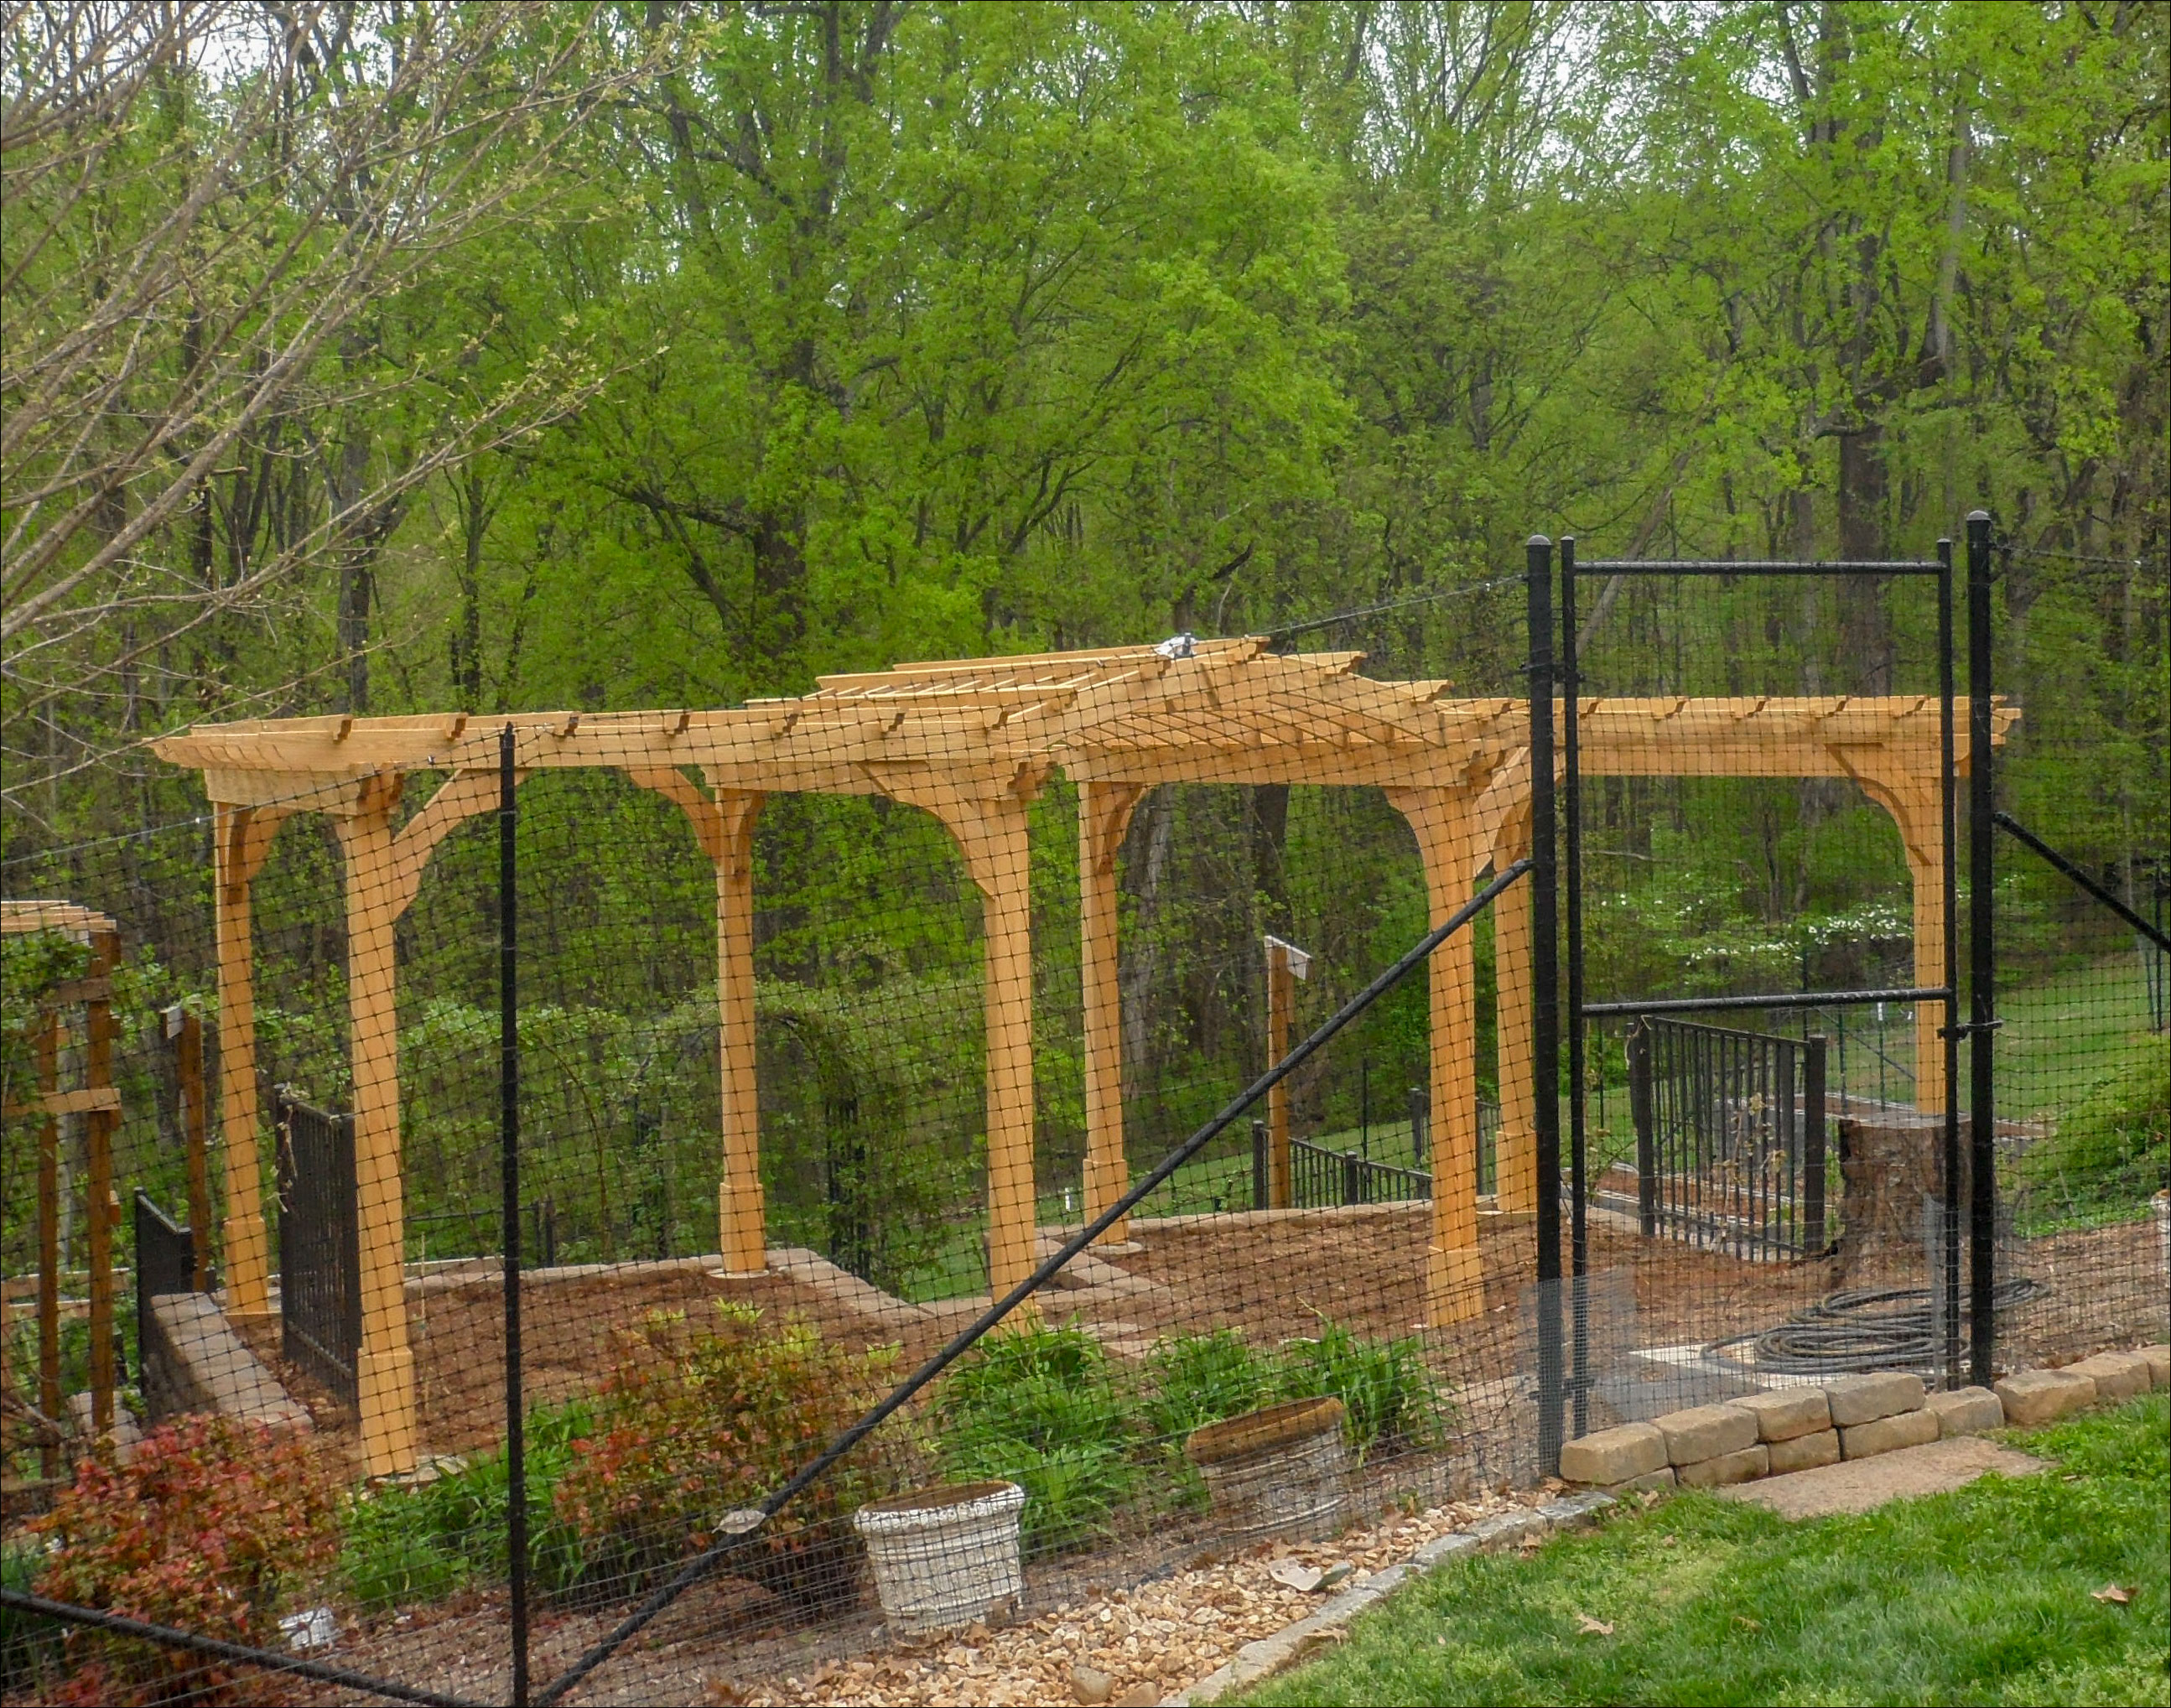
x: 215, y: 1526
x: 404, y: 1546
x: 1390, y: 1397
x: 1202, y: 1378
x: 692, y: 1424
x: 2113, y: 1151
x: 30, y: 1645
x: 1038, y: 1406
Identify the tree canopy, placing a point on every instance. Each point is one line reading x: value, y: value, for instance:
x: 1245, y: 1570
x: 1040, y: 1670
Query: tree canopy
x: 377, y: 356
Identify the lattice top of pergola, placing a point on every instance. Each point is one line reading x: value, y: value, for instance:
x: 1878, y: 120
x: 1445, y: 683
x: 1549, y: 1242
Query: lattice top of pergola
x: 1226, y: 710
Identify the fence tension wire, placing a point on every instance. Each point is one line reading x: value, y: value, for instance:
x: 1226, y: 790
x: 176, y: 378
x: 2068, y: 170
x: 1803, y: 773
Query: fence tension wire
x: 739, y: 1527
x: 121, y: 1625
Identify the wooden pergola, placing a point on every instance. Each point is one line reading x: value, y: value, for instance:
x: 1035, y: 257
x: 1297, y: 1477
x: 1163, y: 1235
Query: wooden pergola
x: 973, y: 741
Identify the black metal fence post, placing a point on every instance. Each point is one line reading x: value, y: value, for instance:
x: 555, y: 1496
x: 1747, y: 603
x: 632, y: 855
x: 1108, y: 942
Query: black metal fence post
x: 1949, y: 1185
x: 508, y: 1036
x: 1262, y: 1185
x: 1545, y: 996
x: 1813, y: 1145
x: 1578, y: 1145
x: 1982, y: 947
x: 1640, y: 1114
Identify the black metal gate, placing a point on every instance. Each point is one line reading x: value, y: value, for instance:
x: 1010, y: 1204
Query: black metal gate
x: 319, y: 1245
x: 1729, y: 1138
x: 165, y: 1262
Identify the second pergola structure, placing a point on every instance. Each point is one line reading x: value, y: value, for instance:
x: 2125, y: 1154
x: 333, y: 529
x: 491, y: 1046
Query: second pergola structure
x: 973, y: 741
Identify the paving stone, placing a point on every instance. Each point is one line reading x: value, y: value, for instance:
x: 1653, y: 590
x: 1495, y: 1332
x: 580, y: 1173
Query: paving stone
x: 1863, y: 1484
x: 1705, y: 1431
x: 2037, y: 1396
x: 1864, y: 1399
x: 1613, y: 1455
x: 1804, y: 1452
x: 2159, y: 1365
x: 1716, y: 1472
x: 1885, y: 1434
x: 2117, y: 1375
x: 1965, y: 1412
x: 1783, y: 1413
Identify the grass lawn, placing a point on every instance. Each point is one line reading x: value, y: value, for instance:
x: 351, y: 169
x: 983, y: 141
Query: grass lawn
x: 1983, y: 1595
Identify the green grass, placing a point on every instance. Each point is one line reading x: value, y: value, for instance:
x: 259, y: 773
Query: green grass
x: 1982, y: 1595
x: 2064, y: 1035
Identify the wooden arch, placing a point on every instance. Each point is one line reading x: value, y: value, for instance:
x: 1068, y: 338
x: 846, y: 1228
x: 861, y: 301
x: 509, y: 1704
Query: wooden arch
x: 971, y: 741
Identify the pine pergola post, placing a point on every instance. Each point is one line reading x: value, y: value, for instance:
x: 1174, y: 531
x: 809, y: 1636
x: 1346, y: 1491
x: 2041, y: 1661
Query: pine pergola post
x: 1454, y: 1274
x: 741, y: 1214
x: 1104, y: 812
x: 988, y: 818
x: 1910, y: 793
x: 385, y: 1376
x: 241, y: 838
x: 1516, y: 1148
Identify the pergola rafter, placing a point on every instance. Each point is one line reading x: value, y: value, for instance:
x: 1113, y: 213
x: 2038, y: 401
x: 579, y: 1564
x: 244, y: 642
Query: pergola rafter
x: 973, y: 741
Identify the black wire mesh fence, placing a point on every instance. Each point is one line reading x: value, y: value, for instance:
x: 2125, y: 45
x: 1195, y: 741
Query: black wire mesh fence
x: 987, y: 1132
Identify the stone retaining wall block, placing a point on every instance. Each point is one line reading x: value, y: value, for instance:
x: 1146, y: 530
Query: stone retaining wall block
x: 1885, y: 1434
x: 1744, y: 1464
x: 1864, y: 1399
x: 1662, y: 1478
x: 1965, y: 1412
x: 1783, y: 1413
x: 2117, y: 1375
x: 1804, y: 1452
x: 1614, y: 1455
x: 1706, y: 1432
x: 2037, y: 1396
x: 2159, y: 1365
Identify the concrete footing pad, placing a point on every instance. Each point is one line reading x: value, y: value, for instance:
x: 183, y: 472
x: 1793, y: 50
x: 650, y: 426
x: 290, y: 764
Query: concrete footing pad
x: 1861, y: 1485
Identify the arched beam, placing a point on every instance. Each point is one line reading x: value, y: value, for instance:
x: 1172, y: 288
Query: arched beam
x: 990, y: 829
x: 1104, y: 815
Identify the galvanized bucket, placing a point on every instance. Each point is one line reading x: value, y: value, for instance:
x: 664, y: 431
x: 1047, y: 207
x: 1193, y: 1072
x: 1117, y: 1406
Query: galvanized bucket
x: 1283, y: 1471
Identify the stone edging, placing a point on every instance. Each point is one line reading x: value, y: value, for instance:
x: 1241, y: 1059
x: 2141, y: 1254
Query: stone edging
x: 1270, y: 1654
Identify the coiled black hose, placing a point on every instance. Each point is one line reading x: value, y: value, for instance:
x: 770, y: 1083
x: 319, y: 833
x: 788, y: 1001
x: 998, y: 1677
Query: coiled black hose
x: 1884, y: 1328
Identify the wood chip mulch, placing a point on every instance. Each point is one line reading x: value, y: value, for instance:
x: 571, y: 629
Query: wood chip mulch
x: 1163, y: 1635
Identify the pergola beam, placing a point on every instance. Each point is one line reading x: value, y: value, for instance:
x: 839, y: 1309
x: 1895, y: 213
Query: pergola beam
x: 972, y: 741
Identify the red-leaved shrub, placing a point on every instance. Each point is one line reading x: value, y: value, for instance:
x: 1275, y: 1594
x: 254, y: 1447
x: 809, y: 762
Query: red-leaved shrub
x: 215, y: 1528
x: 692, y: 1424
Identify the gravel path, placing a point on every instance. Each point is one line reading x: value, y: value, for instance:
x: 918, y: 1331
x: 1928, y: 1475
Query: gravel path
x: 1149, y: 1642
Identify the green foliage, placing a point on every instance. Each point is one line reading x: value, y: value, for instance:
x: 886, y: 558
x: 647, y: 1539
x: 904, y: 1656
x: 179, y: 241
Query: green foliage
x: 1046, y: 1408
x: 404, y: 1547
x: 213, y: 1526
x: 30, y: 1645
x: 1390, y: 1397
x: 31, y: 963
x: 693, y: 1422
x: 1719, y: 1601
x: 2108, y: 1156
x: 1198, y: 1380
x: 1041, y: 1407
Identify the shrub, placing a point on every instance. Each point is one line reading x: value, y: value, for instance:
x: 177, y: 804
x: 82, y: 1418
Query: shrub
x: 1035, y: 1406
x: 2112, y: 1150
x: 1390, y: 1396
x: 689, y: 1426
x: 402, y: 1546
x: 215, y: 1527
x: 29, y: 1643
